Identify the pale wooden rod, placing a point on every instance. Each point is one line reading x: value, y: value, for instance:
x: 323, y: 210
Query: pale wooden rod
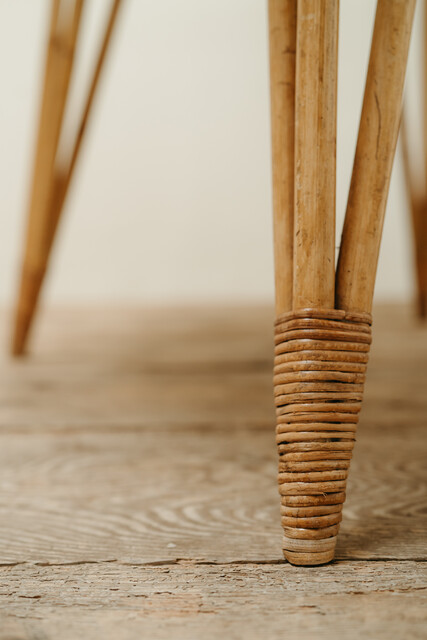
x: 424, y: 88
x: 62, y: 173
x: 315, y: 153
x: 65, y: 20
x: 378, y: 131
x: 417, y: 189
x: 419, y: 214
x: 282, y: 38
x: 417, y: 206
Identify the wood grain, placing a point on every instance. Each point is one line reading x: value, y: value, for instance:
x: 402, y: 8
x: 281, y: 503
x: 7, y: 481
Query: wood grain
x: 376, y: 143
x: 315, y: 154
x: 137, y: 457
x: 188, y: 600
x: 106, y: 496
x: 282, y: 40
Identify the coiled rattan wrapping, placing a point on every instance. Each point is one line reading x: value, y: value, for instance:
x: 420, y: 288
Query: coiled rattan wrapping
x: 319, y: 374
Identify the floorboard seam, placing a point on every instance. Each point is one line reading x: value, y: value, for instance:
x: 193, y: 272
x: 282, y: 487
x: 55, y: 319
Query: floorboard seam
x: 183, y: 561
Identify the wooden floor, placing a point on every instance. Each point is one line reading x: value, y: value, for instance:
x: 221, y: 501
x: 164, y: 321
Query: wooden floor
x: 138, y: 490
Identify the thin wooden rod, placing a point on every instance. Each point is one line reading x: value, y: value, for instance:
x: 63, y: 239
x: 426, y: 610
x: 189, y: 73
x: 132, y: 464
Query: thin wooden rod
x: 419, y: 213
x: 65, y: 21
x: 64, y: 174
x: 414, y: 190
x: 315, y: 153
x: 417, y: 206
x: 282, y: 36
x: 379, y: 126
x: 424, y: 87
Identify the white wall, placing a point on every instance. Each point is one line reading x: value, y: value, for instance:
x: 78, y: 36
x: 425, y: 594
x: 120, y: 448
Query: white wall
x: 172, y: 198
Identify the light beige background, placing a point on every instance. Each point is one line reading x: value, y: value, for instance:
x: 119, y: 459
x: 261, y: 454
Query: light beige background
x: 172, y: 199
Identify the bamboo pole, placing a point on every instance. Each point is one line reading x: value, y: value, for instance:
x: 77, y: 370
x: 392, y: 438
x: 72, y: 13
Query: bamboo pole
x: 64, y: 174
x: 379, y: 126
x: 417, y: 206
x: 65, y: 20
x: 424, y: 88
x: 420, y: 212
x: 315, y: 153
x: 282, y: 37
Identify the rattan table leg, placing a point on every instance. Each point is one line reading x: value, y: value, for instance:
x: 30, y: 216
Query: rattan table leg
x: 321, y: 352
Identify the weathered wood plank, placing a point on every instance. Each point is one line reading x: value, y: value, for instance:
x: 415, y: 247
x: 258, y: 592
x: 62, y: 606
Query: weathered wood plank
x: 152, y: 495
x: 85, y: 396
x: 129, y: 432
x: 143, y: 438
x: 145, y: 368
x: 188, y: 368
x: 189, y: 601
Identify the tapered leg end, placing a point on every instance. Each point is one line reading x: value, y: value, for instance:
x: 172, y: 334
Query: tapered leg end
x: 309, y: 559
x: 320, y: 364
x: 31, y: 282
x: 20, y: 333
x: 309, y: 552
x: 422, y: 306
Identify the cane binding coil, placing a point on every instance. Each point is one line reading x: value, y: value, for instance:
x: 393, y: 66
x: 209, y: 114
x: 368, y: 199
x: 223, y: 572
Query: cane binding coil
x: 319, y: 374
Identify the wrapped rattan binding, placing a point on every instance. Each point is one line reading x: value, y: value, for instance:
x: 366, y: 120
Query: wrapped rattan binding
x: 319, y: 374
